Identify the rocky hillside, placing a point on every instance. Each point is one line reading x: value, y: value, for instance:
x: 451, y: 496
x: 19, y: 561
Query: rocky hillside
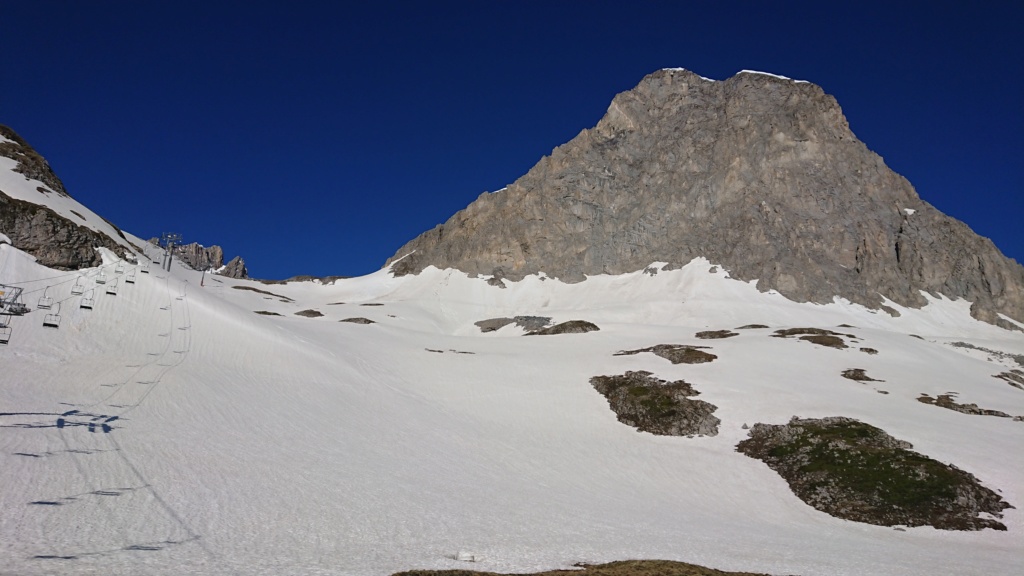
x: 53, y: 238
x: 757, y: 173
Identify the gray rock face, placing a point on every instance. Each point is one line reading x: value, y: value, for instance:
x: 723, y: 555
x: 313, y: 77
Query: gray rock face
x: 55, y: 241
x: 235, y: 269
x: 199, y: 257
x: 759, y: 174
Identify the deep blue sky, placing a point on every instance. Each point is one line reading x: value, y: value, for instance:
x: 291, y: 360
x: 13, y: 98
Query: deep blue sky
x: 318, y: 137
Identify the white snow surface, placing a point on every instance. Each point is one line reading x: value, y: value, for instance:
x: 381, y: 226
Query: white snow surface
x: 240, y: 443
x: 772, y: 75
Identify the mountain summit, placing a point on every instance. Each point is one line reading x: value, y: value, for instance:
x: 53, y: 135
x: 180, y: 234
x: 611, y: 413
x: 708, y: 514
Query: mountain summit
x: 758, y: 173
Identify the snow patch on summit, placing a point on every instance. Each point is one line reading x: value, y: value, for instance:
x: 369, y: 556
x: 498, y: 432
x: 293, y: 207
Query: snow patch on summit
x: 780, y: 77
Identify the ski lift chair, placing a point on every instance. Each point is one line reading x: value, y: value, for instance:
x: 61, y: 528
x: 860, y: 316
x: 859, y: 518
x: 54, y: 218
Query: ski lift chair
x: 102, y: 278
x: 88, y: 300
x: 119, y: 269
x: 78, y: 288
x: 112, y: 288
x: 130, y: 278
x: 145, y: 268
x: 5, y: 329
x: 45, y: 302
x: 52, y: 320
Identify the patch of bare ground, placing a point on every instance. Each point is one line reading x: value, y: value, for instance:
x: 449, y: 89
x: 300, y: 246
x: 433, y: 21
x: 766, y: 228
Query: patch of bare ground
x: 310, y: 313
x: 653, y: 405
x: 1014, y: 378
x: 858, y: 375
x: 449, y: 350
x: 358, y: 320
x: 371, y: 304
x: 999, y: 354
x: 890, y: 311
x: 570, y: 327
x: 675, y: 353
x: 751, y: 326
x: 715, y: 334
x: 266, y: 313
x: 871, y: 351
x: 621, y: 568
x: 818, y: 336
x: 528, y: 323
x: 948, y: 402
x: 855, y: 471
x: 258, y: 291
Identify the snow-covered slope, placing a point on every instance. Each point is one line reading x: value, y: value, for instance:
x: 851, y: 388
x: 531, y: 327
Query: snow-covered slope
x: 171, y: 430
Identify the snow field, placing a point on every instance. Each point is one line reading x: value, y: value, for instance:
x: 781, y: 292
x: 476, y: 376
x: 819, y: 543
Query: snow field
x: 263, y: 445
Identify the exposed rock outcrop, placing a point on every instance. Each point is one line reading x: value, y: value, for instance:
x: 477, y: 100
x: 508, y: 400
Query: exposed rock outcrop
x: 55, y: 241
x: 199, y: 257
x: 757, y: 173
x: 650, y: 404
x: 675, y: 353
x: 855, y: 471
x: 235, y: 268
x: 211, y: 258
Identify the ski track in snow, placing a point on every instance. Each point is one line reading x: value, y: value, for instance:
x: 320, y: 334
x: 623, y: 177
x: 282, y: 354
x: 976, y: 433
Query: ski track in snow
x: 170, y: 430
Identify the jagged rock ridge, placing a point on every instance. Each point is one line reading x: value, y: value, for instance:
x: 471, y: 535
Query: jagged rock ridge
x: 757, y: 173
x: 209, y: 258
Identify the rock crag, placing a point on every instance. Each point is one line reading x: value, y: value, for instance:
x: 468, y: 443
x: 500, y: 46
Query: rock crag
x: 199, y: 257
x: 54, y: 240
x: 757, y: 173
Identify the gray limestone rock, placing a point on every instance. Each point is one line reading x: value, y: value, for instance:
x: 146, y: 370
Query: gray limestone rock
x: 759, y: 174
x: 211, y: 258
x: 235, y: 269
x: 55, y: 241
x: 199, y: 257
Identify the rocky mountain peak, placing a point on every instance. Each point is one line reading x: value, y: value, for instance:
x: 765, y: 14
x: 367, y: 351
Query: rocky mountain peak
x: 30, y: 162
x: 758, y: 173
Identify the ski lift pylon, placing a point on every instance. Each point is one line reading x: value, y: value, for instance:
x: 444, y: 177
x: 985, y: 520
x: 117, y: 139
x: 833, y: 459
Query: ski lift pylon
x: 45, y: 302
x: 52, y: 320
